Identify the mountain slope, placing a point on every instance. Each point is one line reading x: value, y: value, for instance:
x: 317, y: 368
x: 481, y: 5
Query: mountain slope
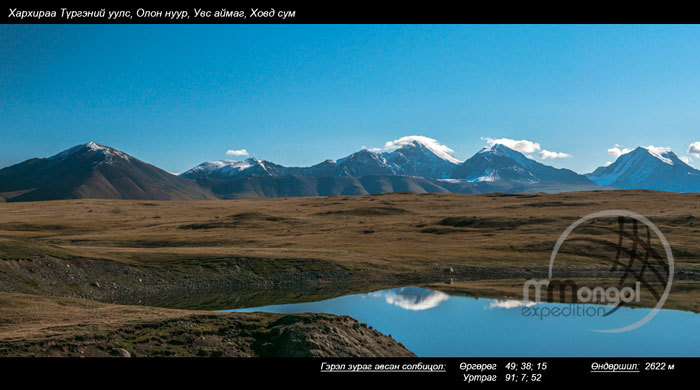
x: 645, y: 168
x: 357, y: 164
x: 500, y: 166
x: 418, y: 159
x: 287, y: 186
x: 93, y: 171
x: 229, y: 168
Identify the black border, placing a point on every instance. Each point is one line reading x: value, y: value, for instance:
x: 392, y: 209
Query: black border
x: 239, y: 372
x: 353, y: 12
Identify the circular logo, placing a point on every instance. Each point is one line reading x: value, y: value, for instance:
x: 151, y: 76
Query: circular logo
x: 635, y: 262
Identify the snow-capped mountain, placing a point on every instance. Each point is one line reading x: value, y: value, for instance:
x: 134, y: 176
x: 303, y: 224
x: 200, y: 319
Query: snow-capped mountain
x: 99, y: 154
x: 92, y: 170
x: 650, y: 169
x: 230, y: 168
x: 413, y: 159
x: 419, y: 159
x: 500, y: 164
x: 360, y: 163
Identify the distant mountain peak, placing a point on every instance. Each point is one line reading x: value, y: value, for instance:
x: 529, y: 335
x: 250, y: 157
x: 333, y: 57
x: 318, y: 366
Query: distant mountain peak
x: 421, y: 142
x: 102, y: 152
x: 94, y: 145
x: 93, y: 170
x: 662, y: 154
x: 499, y: 163
x: 501, y: 150
x: 497, y: 148
x: 649, y: 168
x: 362, y: 154
x: 507, y: 152
x: 227, y: 168
x: 421, y: 157
x: 666, y: 156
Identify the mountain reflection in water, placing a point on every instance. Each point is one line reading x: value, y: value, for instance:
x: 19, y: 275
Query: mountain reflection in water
x: 414, y: 298
x: 433, y: 323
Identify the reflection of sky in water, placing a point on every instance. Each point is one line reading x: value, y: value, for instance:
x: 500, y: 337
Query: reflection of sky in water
x: 510, y: 304
x: 431, y: 323
x: 414, y: 298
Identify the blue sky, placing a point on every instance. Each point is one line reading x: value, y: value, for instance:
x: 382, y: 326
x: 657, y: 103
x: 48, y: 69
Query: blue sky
x: 176, y: 96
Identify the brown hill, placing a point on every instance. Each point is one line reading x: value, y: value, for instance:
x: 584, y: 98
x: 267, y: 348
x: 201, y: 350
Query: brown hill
x: 93, y: 171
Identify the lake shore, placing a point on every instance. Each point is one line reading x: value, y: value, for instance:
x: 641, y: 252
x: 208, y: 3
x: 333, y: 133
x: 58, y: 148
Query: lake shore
x: 68, y: 327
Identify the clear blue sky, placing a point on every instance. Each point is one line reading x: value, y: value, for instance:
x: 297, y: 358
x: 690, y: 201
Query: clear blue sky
x: 176, y: 96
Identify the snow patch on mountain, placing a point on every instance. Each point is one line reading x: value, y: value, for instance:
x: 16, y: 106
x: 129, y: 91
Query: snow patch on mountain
x: 522, y: 146
x: 660, y: 153
x: 105, y: 153
x: 416, y: 157
x: 226, y: 167
x: 499, y: 163
x: 491, y: 177
x: 440, y: 150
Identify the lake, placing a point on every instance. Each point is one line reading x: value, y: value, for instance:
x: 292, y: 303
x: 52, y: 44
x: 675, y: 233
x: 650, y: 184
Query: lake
x: 432, y: 323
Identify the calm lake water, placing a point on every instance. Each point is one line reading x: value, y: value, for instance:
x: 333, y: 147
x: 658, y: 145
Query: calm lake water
x: 432, y: 323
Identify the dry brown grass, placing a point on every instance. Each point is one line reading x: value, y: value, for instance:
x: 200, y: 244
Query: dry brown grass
x: 405, y: 232
x: 38, y: 317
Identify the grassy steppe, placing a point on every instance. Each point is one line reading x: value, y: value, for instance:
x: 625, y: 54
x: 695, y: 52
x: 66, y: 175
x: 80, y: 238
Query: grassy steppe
x: 391, y: 233
x: 224, y: 254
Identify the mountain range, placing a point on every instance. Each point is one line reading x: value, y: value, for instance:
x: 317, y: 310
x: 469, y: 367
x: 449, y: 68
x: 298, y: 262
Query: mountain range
x: 96, y: 171
x: 415, y: 159
x: 648, y: 168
